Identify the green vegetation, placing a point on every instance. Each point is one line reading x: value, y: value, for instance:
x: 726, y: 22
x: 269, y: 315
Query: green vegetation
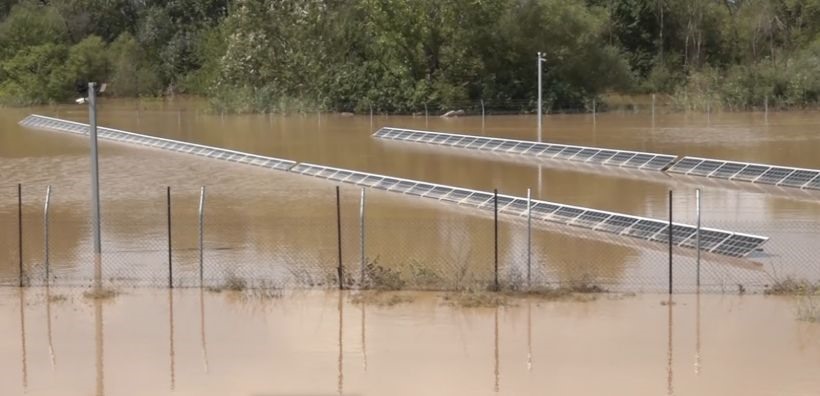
x: 400, y: 55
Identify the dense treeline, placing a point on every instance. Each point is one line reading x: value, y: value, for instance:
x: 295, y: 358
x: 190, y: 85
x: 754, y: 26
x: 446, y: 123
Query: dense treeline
x: 398, y: 55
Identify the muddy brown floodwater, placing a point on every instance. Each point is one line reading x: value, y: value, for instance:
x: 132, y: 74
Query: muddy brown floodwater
x: 256, y: 216
x: 155, y: 342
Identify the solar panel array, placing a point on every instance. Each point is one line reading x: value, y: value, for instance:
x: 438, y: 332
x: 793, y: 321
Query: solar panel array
x: 712, y: 240
x: 48, y: 123
x: 748, y: 172
x: 589, y: 155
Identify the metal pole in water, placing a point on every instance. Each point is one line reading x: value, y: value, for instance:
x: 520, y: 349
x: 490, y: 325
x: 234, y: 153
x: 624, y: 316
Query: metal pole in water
x: 766, y: 108
x: 95, y: 182
x: 426, y: 116
x: 201, y: 234
x: 495, y: 237
x: 539, y: 61
x: 529, y: 238
x: 371, y: 118
x: 697, y: 235
x: 170, y: 258
x: 339, y: 236
x: 20, y: 230
x: 653, y: 111
x: 45, y: 232
x: 670, y: 242
x: 482, y: 115
x: 363, y: 263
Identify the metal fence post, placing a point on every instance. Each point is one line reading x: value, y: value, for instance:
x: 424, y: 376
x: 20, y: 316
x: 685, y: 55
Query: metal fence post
x: 201, y: 232
x: 363, y: 263
x: 697, y: 235
x: 670, y: 242
x: 495, y: 237
x: 339, y: 270
x: 45, y: 233
x: 20, y: 230
x: 529, y: 238
x: 170, y: 258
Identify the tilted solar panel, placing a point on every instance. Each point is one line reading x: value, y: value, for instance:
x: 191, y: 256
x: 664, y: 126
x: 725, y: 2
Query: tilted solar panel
x: 55, y: 124
x: 783, y: 176
x: 716, y: 241
x: 590, y: 155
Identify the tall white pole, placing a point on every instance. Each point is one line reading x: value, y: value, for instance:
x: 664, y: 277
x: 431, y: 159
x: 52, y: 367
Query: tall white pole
x: 363, y: 263
x: 539, y: 61
x: 95, y: 171
x: 697, y: 236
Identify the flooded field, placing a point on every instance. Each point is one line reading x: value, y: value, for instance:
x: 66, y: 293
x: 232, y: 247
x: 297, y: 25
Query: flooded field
x: 281, y: 227
x: 155, y: 342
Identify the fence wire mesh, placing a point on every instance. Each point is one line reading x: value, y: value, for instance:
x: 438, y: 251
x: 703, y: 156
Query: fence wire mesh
x: 291, y: 239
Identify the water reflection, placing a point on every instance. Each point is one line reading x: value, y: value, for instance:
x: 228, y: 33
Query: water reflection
x: 340, y: 367
x: 100, y: 343
x: 697, y: 334
x: 23, y: 353
x: 670, y: 390
x: 202, y: 328
x: 497, y: 368
x: 364, y: 339
x: 51, y: 352
x: 172, y: 354
x: 529, y: 335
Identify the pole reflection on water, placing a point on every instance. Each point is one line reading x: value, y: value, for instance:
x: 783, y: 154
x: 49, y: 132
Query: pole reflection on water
x: 48, y: 329
x: 98, y: 337
x: 171, y: 337
x: 497, y: 371
x: 364, y: 340
x: 697, y: 333
x: 669, y: 356
x: 340, y: 368
x: 529, y: 335
x: 202, y: 328
x: 24, y: 357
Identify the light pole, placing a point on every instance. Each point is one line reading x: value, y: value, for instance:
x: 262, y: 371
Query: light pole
x: 95, y: 182
x: 539, y: 61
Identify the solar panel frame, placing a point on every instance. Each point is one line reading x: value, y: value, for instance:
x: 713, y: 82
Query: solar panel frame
x: 750, y: 173
x: 638, y: 160
x: 799, y: 178
x: 727, y: 170
x: 705, y: 168
x: 585, y: 154
x: 774, y: 175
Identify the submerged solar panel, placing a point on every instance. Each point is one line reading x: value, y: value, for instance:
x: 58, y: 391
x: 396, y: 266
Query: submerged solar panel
x: 717, y: 241
x: 590, y: 155
x: 56, y: 124
x: 783, y: 176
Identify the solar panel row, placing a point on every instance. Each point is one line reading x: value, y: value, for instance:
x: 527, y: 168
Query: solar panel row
x: 42, y: 122
x: 754, y: 173
x: 716, y: 241
x: 590, y: 155
x: 712, y: 240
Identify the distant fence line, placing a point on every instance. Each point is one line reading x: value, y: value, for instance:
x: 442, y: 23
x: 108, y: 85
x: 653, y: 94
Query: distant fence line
x: 348, y: 247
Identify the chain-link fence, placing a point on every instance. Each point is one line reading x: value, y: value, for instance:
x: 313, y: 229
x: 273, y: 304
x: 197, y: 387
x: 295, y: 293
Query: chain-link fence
x: 303, y: 239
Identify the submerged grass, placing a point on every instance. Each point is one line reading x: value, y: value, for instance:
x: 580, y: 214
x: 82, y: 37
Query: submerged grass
x: 381, y: 298
x: 808, y: 306
x: 101, y: 294
x: 580, y: 292
x: 792, y: 287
